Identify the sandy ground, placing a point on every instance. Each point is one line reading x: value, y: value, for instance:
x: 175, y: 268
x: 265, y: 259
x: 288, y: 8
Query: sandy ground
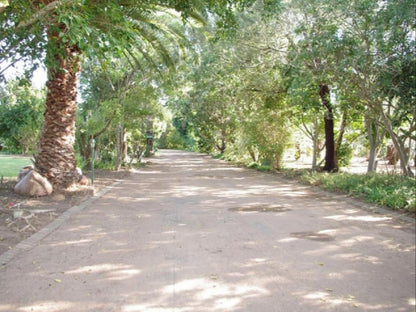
x: 189, y: 233
x: 37, y: 212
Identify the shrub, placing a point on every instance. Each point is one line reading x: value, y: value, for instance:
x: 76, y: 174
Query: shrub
x: 393, y: 191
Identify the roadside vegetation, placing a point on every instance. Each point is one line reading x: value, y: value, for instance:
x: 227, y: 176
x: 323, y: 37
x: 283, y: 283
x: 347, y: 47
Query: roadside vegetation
x: 393, y: 191
x: 390, y: 190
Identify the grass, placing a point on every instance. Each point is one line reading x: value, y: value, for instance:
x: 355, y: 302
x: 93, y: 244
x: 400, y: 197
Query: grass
x: 393, y: 191
x: 11, y: 164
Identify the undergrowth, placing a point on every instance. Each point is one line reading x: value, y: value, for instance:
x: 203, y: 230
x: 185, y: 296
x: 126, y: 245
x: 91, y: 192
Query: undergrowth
x: 394, y: 191
x: 389, y: 190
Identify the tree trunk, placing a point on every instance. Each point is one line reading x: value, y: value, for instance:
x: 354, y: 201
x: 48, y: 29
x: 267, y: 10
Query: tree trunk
x: 56, y: 158
x: 119, y: 146
x: 398, y: 144
x: 252, y: 154
x: 340, y: 137
x: 330, y: 162
x: 315, y: 138
x: 223, y: 145
x: 374, y: 138
x: 84, y: 144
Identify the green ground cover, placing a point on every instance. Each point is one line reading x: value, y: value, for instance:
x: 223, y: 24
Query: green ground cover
x: 394, y: 191
x: 11, y: 164
x: 390, y: 190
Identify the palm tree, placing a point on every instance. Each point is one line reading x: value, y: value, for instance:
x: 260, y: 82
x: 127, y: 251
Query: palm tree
x: 67, y: 30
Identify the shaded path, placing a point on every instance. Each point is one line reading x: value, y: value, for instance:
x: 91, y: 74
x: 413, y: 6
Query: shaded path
x: 189, y: 233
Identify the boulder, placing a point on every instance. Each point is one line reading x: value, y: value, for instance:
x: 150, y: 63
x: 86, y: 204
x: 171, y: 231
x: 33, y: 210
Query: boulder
x: 84, y: 180
x: 24, y: 171
x: 79, y: 174
x: 33, y: 184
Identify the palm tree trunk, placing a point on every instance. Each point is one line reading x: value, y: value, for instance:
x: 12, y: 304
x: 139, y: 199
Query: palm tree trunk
x: 56, y: 158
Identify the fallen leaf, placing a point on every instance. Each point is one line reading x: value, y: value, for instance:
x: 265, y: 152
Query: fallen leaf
x: 213, y: 276
x: 57, y: 280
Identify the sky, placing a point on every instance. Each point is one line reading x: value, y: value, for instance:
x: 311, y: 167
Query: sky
x: 38, y: 79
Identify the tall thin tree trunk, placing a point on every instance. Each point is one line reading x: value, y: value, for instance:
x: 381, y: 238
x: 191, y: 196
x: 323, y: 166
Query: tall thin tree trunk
x: 315, y: 138
x: 330, y: 161
x: 56, y: 158
x: 398, y: 144
x: 372, y: 163
x: 340, y: 137
x: 375, y: 137
x: 119, y: 146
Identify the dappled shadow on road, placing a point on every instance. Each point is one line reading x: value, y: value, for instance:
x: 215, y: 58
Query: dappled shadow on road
x: 179, y: 237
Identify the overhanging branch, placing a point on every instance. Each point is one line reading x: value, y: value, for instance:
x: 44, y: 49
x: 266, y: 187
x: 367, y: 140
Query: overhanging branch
x: 42, y: 12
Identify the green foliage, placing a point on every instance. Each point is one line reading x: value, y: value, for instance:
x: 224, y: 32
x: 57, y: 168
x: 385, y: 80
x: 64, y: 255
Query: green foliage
x: 393, y: 191
x: 174, y: 139
x: 21, y: 109
x: 97, y: 28
x: 344, y: 154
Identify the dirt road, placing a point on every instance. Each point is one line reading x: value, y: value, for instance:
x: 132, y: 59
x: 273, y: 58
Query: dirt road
x: 189, y: 233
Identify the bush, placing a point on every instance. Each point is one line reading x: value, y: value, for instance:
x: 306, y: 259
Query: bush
x: 344, y: 155
x: 393, y: 191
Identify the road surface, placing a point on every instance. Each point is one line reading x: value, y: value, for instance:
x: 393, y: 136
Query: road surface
x: 190, y: 233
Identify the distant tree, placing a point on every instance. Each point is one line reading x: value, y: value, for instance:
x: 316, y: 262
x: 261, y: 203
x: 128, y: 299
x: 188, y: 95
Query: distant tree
x: 21, y: 109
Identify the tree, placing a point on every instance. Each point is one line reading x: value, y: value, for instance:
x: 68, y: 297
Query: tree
x: 378, y: 69
x: 67, y: 30
x: 21, y: 108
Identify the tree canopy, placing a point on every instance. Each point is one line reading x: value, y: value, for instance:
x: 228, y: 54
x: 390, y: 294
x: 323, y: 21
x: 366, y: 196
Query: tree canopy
x: 247, y: 79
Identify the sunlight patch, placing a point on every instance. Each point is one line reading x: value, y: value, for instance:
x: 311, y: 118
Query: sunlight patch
x: 367, y: 218
x: 74, y: 242
x: 48, y: 306
x: 117, y: 271
x: 226, y: 304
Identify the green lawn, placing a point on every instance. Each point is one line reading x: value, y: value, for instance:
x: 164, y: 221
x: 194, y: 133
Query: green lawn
x: 11, y: 164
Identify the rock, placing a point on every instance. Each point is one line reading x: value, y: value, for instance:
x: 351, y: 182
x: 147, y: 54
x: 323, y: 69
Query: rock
x: 58, y: 197
x: 84, y: 181
x: 24, y: 171
x: 33, y: 184
x: 79, y: 173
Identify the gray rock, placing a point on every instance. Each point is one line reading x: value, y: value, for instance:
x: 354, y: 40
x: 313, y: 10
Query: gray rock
x: 24, y: 171
x: 84, y: 180
x: 33, y: 184
x: 79, y: 173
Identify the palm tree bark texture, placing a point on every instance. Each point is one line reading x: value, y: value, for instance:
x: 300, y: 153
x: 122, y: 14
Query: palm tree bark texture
x: 330, y: 161
x: 56, y: 158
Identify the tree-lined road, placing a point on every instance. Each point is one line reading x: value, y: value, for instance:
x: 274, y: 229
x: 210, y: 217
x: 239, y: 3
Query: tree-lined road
x: 190, y: 233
